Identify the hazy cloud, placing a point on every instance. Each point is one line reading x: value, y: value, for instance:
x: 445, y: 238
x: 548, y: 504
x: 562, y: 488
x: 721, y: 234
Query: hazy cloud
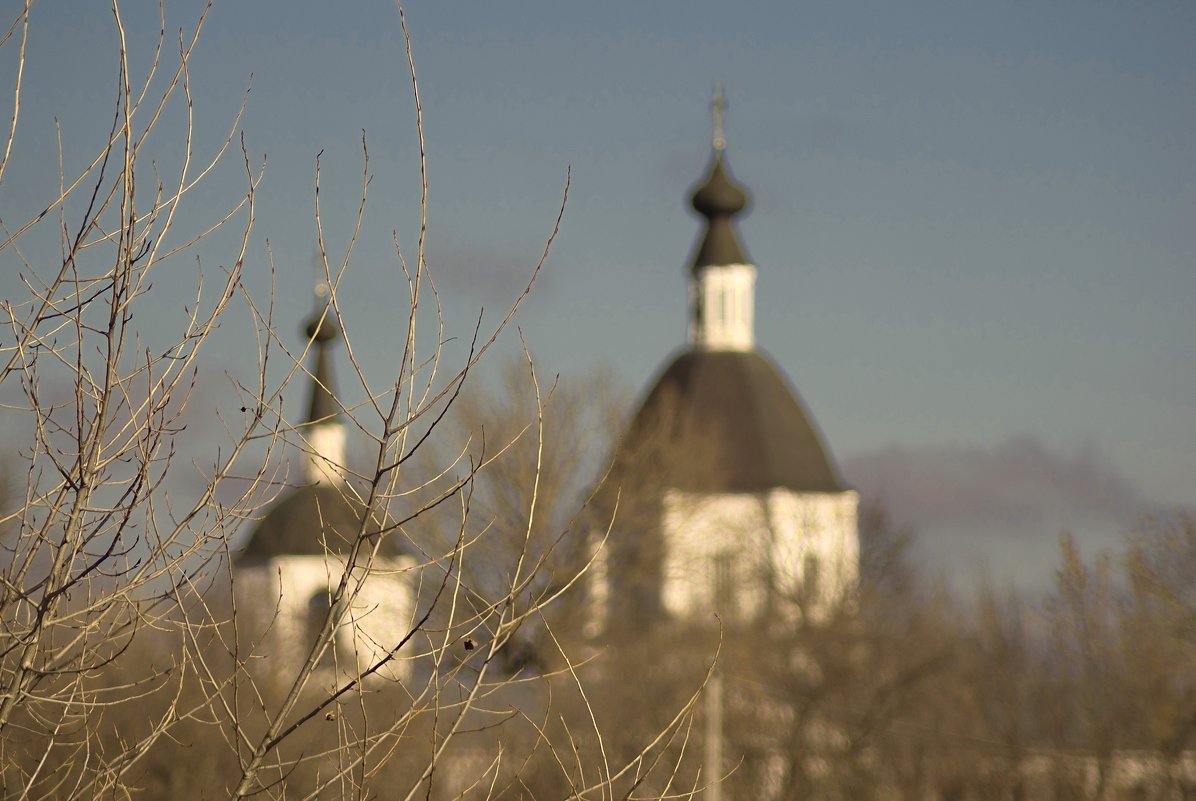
x: 1020, y: 484
x: 488, y: 276
x: 1000, y: 508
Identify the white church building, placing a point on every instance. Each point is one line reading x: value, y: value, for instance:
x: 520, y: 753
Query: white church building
x: 287, y: 574
x: 729, y: 501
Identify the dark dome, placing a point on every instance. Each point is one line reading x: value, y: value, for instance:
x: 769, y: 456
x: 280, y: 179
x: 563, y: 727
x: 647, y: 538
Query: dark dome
x: 719, y: 199
x: 725, y: 421
x: 719, y: 195
x: 305, y: 521
x: 322, y: 406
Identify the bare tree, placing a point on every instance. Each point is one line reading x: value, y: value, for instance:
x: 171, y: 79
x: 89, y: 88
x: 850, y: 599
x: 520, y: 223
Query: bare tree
x: 1121, y: 673
x: 123, y: 669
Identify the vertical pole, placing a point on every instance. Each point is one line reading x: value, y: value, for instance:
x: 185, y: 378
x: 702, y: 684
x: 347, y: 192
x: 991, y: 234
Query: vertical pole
x: 714, y: 737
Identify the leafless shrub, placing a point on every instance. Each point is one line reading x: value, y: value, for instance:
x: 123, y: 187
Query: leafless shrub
x: 123, y: 667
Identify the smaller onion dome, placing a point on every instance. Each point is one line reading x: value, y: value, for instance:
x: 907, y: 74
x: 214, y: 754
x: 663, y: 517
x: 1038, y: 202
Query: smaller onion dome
x: 322, y: 408
x: 322, y: 328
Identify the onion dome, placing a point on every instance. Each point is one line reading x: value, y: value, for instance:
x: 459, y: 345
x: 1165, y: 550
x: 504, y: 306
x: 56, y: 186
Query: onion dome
x: 722, y: 422
x: 719, y: 199
x: 719, y: 196
x: 322, y: 407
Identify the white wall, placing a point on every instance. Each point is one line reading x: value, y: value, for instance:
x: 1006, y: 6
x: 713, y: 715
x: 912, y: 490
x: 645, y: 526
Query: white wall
x: 276, y: 594
x: 754, y: 541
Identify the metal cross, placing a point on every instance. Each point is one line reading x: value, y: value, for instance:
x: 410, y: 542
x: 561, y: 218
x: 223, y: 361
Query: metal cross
x: 718, y: 108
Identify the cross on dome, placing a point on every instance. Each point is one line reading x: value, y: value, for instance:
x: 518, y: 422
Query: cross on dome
x: 718, y: 110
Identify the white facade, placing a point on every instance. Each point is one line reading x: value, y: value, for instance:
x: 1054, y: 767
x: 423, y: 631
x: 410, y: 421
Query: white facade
x: 287, y: 597
x: 735, y: 554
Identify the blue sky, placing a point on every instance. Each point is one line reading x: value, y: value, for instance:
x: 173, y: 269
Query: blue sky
x: 974, y: 222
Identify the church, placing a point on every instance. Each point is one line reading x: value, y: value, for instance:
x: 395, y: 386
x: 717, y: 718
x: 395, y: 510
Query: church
x: 290, y: 574
x: 729, y: 501
x: 721, y: 564
x: 722, y: 509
